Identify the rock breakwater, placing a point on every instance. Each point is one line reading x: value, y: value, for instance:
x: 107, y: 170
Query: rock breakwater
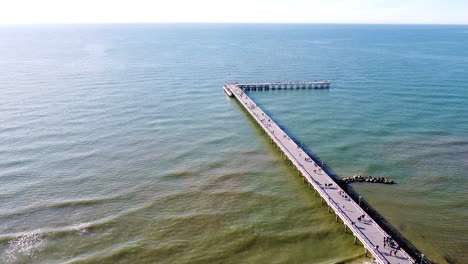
x: 364, y: 178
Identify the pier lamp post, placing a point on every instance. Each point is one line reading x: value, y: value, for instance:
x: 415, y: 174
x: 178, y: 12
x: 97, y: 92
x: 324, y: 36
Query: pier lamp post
x: 360, y: 200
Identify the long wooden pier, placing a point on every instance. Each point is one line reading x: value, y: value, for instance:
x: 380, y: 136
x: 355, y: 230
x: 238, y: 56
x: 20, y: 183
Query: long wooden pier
x: 364, y: 229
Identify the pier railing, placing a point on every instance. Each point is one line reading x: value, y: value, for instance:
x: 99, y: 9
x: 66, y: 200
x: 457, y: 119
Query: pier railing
x: 386, y: 226
x: 282, y: 85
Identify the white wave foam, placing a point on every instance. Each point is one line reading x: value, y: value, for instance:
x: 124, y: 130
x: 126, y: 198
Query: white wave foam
x: 80, y: 228
x: 22, y: 247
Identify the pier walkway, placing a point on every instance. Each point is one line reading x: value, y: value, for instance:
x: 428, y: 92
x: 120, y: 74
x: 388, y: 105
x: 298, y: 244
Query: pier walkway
x: 366, y: 230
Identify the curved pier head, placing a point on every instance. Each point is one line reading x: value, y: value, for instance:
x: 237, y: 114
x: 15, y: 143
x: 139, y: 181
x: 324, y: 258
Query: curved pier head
x: 354, y: 218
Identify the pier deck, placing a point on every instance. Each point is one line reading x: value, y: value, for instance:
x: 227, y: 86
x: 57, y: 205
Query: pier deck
x: 367, y: 231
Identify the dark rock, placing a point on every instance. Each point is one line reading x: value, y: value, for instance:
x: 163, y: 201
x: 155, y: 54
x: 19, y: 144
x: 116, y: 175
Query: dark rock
x: 362, y: 178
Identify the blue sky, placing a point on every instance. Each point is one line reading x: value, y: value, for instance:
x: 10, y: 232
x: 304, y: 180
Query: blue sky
x: 239, y: 11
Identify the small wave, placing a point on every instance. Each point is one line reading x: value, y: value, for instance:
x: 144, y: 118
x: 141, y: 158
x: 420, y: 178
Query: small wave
x: 218, y: 139
x: 63, y: 204
x: 79, y: 156
x: 78, y: 202
x: 318, y: 42
x: 182, y: 154
x: 23, y: 247
x: 104, y: 256
x: 227, y: 177
x: 253, y: 152
x: 16, y: 163
x: 179, y: 174
x: 9, y: 129
x: 215, y: 165
x: 80, y: 228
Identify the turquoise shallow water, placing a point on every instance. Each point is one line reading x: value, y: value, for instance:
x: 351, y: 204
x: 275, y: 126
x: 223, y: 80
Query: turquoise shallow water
x: 118, y: 145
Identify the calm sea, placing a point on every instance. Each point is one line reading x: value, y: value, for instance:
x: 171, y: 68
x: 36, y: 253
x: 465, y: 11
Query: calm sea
x: 118, y: 145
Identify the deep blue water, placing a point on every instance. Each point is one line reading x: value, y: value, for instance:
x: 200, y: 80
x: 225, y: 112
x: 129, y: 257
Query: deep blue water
x: 118, y: 145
